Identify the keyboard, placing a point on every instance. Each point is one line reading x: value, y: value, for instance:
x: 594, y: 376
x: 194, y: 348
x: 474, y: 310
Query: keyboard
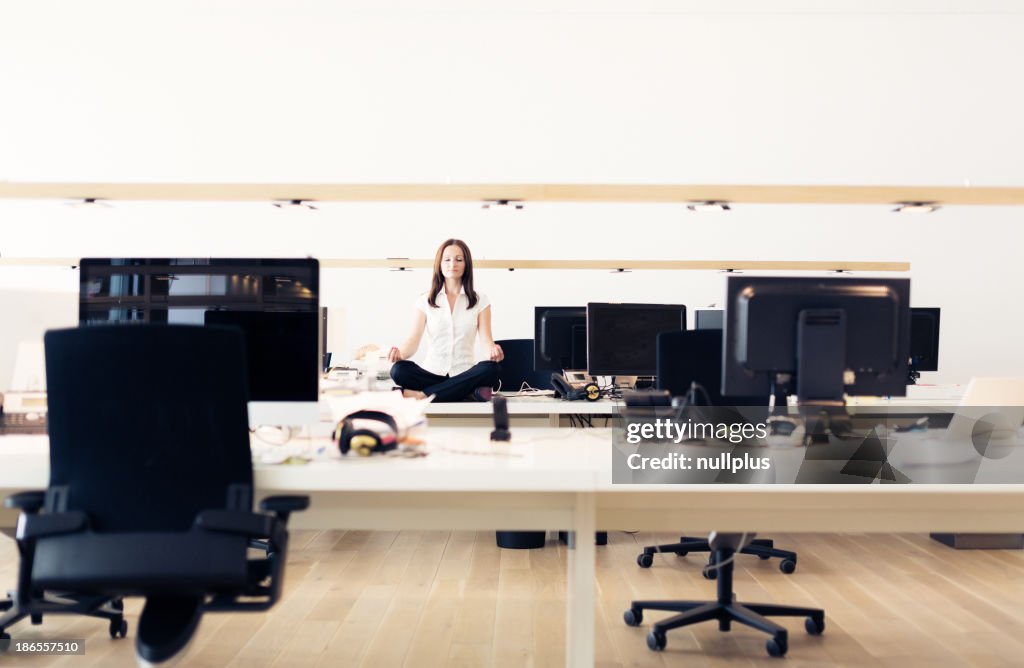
x: 22, y: 423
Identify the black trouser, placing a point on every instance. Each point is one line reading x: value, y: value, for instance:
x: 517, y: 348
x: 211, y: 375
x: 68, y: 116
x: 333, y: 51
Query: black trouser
x: 412, y: 376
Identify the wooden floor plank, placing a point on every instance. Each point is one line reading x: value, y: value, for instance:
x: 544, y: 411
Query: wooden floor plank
x: 361, y: 598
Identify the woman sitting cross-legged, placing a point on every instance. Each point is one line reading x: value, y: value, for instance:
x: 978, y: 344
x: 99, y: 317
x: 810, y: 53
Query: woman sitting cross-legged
x: 451, y: 314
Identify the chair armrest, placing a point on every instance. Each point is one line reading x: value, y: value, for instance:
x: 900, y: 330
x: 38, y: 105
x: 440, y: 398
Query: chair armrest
x: 29, y: 502
x: 241, y: 522
x: 284, y: 506
x: 51, y: 524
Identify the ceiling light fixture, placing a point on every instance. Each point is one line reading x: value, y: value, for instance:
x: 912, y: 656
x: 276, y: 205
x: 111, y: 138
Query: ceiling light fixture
x: 916, y: 207
x: 295, y: 205
x: 503, y: 204
x: 709, y: 205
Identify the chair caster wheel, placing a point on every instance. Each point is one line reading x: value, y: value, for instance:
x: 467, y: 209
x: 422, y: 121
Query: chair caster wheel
x: 764, y: 557
x: 36, y: 618
x: 118, y: 628
x: 787, y: 566
x: 117, y: 604
x: 656, y: 640
x: 814, y: 626
x: 710, y: 572
x: 776, y: 647
x: 633, y: 617
x: 645, y: 560
x: 681, y: 553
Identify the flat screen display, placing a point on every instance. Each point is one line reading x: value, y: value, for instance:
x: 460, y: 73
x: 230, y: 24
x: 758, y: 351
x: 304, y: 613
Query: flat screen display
x: 273, y: 301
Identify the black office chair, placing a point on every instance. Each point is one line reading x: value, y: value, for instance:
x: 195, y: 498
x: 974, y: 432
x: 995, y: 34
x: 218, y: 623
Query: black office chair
x: 695, y: 356
x: 151, y: 485
x: 517, y: 367
x: 725, y: 609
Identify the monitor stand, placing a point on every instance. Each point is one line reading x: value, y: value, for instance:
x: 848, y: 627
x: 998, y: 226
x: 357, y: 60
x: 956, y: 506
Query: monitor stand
x: 821, y: 373
x: 824, y: 419
x: 645, y: 382
x: 624, y: 382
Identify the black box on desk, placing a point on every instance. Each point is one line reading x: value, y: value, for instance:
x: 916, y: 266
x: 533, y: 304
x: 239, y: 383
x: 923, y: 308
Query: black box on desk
x: 981, y: 541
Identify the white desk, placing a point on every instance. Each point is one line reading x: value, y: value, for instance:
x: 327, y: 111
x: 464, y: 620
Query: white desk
x: 561, y: 479
x: 523, y: 412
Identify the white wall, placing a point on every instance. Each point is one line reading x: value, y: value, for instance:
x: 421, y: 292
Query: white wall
x: 692, y: 92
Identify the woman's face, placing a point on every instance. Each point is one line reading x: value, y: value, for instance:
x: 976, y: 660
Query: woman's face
x: 453, y: 262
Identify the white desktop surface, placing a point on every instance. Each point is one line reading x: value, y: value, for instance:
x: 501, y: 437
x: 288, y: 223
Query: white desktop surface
x: 548, y: 479
x: 528, y: 406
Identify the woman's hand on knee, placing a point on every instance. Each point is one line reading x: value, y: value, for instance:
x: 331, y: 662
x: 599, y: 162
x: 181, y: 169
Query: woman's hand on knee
x: 497, y: 354
x: 394, y: 355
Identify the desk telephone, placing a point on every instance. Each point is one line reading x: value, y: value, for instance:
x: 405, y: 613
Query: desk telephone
x: 23, y: 413
x: 573, y: 391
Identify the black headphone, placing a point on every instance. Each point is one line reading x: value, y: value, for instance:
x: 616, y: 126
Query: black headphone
x: 590, y: 391
x: 366, y: 441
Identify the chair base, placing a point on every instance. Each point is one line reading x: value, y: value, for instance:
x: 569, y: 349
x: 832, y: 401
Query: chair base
x: 754, y: 615
x: 725, y: 610
x: 763, y: 548
x: 102, y: 607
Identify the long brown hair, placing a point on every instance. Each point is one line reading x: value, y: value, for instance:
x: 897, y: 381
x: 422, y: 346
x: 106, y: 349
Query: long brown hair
x: 437, y: 282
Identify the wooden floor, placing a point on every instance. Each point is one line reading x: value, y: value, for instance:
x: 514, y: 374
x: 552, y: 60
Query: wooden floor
x: 454, y: 599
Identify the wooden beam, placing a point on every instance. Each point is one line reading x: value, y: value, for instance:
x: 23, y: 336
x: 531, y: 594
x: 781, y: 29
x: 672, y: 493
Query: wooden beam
x: 466, y: 192
x: 609, y: 265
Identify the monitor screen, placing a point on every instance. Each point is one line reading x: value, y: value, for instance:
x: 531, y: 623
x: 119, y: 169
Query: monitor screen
x: 924, y: 338
x: 622, y: 338
x: 278, y: 352
x: 819, y: 336
x: 273, y: 301
x: 559, y: 338
x: 710, y: 319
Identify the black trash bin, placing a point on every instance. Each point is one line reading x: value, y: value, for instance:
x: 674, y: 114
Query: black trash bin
x: 521, y: 540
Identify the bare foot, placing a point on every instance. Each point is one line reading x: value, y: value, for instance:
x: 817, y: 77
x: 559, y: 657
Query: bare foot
x: 413, y: 394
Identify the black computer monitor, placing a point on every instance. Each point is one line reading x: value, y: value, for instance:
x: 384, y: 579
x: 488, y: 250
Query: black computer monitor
x: 709, y: 319
x: 277, y: 350
x: 807, y: 333
x: 275, y: 302
x: 559, y: 338
x: 622, y: 338
x: 924, y: 339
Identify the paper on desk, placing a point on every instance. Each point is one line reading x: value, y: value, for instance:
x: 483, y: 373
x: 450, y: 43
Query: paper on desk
x: 406, y: 412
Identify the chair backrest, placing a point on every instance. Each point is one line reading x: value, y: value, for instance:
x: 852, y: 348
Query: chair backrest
x: 517, y: 367
x: 696, y: 356
x: 148, y: 424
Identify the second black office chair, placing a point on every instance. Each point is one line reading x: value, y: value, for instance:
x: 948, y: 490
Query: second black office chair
x: 725, y: 609
x: 685, y: 358
x: 151, y: 484
x: 517, y: 367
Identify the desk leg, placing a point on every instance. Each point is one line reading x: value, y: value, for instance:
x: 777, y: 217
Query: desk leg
x: 579, y: 600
